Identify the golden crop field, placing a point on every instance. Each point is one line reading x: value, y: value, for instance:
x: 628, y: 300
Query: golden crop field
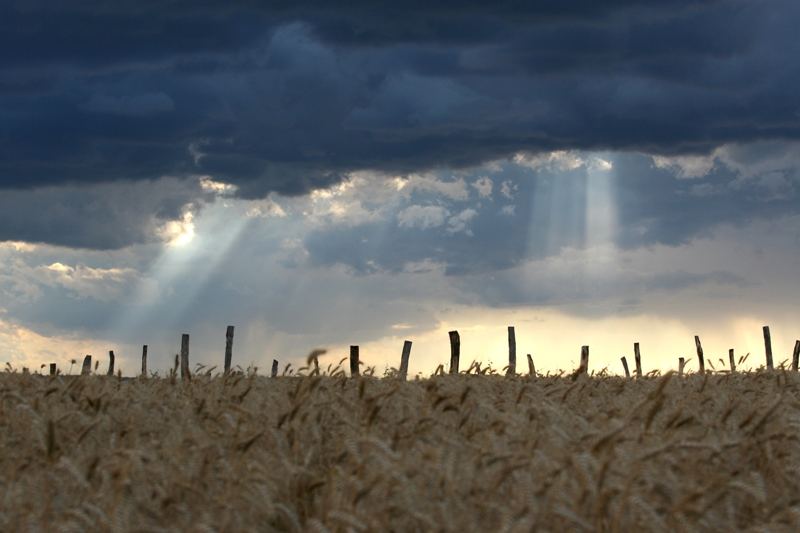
x: 714, y: 452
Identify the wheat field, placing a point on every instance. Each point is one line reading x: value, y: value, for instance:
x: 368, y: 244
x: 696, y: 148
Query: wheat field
x: 714, y: 452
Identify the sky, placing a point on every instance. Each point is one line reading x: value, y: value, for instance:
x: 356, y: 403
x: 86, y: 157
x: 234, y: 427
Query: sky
x: 591, y: 173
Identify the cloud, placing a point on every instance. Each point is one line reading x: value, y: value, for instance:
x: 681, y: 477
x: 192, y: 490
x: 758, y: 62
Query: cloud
x: 422, y: 217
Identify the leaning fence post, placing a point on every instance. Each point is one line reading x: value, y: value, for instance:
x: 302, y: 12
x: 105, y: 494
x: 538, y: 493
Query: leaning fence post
x: 768, y: 347
x: 86, y: 369
x: 110, y: 363
x: 512, y: 352
x: 732, y: 360
x: 274, y: 372
x: 637, y: 359
x: 404, y: 359
x: 796, y: 355
x: 700, y: 360
x: 354, y: 361
x: 584, y: 368
x: 455, y: 351
x: 53, y: 369
x: 531, y: 368
x: 144, y: 360
x: 625, y: 366
x: 185, y: 374
x: 681, y: 364
x: 228, y: 349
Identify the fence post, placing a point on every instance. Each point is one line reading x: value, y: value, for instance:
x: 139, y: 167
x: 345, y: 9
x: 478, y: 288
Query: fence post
x: 228, y: 349
x: 185, y: 374
x: 768, y: 347
x: 455, y: 351
x: 584, y: 368
x: 512, y: 352
x: 681, y: 364
x: 110, y: 363
x: 144, y: 360
x: 53, y: 369
x: 531, y: 368
x: 625, y: 366
x: 637, y: 359
x: 700, y: 360
x: 354, y: 371
x: 86, y: 369
x: 732, y: 360
x: 274, y: 372
x: 404, y: 359
x: 796, y: 355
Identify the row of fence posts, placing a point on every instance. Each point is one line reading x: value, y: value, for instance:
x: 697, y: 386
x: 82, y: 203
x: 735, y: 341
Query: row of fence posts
x: 182, y: 360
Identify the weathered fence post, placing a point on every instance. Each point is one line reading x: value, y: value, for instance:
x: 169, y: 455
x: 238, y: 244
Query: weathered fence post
x: 796, y: 355
x: 732, y: 360
x: 700, y: 360
x: 86, y: 369
x: 404, y: 359
x: 512, y: 352
x: 177, y: 364
x: 354, y: 371
x: 584, y: 368
x: 768, y: 347
x: 110, y: 363
x: 637, y: 359
x: 185, y: 374
x: 625, y: 366
x: 274, y: 372
x: 531, y: 368
x: 144, y: 360
x: 455, y: 351
x: 228, y: 349
x: 681, y: 364
x: 53, y: 370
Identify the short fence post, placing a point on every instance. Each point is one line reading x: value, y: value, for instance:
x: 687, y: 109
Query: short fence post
x: 637, y: 359
x: 274, y: 372
x: 768, y: 347
x: 228, y: 349
x: 110, y: 363
x: 625, y: 366
x: 531, y: 368
x: 681, y: 364
x: 53, y: 371
x: 185, y: 374
x: 86, y: 369
x: 584, y: 368
x: 404, y: 359
x: 455, y: 351
x: 354, y: 371
x: 144, y: 360
x: 796, y: 355
x: 700, y: 360
x: 732, y: 360
x: 512, y: 352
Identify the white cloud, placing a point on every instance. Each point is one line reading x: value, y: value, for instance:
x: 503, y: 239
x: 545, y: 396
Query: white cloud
x: 508, y: 210
x: 459, y: 222
x: 484, y: 186
x: 455, y: 190
x: 508, y: 189
x: 686, y: 166
x: 422, y: 216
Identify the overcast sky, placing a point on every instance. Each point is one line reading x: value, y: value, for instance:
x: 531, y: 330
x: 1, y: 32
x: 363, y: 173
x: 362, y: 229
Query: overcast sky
x: 591, y: 172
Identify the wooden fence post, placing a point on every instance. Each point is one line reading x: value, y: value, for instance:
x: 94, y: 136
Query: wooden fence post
x: 53, y: 370
x: 637, y: 359
x: 700, y: 360
x: 144, y: 360
x: 86, y: 369
x: 512, y: 352
x: 796, y: 355
x: 584, y: 368
x: 110, y: 363
x: 531, y: 368
x: 625, y: 366
x: 681, y: 364
x: 274, y: 372
x: 185, y: 373
x: 404, y: 359
x: 768, y: 347
x: 228, y: 349
x: 455, y: 351
x: 354, y: 371
x: 732, y: 360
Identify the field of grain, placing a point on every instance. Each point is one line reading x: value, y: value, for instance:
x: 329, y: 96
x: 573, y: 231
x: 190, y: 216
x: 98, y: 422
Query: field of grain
x: 449, y: 453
